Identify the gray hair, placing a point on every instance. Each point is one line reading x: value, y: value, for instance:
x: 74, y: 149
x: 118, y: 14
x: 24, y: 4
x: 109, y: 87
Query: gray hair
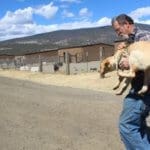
x: 113, y: 20
x: 122, y: 19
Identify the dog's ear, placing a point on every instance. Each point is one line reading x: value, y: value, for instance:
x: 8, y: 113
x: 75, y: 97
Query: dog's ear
x: 107, y: 64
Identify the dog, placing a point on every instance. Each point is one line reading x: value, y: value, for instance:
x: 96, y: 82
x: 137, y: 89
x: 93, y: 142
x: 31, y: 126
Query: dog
x: 138, y: 56
x: 111, y: 64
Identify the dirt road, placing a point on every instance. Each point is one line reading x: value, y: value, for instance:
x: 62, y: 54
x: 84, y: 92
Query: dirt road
x: 43, y: 117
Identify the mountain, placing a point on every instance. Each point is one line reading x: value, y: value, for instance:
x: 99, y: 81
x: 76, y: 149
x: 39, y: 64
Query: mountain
x: 60, y: 39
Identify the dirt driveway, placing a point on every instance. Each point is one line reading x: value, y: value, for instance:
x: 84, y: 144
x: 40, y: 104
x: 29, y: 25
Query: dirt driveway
x: 43, y: 117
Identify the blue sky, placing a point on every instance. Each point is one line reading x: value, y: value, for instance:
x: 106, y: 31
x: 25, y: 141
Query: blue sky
x: 19, y: 18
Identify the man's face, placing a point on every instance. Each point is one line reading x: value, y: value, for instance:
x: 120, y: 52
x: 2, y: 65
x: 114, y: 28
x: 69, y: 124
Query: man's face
x: 121, y: 30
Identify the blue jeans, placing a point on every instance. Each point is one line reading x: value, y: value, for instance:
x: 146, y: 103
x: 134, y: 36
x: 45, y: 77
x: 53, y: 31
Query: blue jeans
x: 132, y: 123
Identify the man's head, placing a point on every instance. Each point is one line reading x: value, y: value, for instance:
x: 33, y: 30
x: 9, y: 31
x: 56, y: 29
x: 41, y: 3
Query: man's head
x: 123, y: 25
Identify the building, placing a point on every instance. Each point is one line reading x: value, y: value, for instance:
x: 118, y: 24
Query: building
x: 45, y: 59
x: 92, y: 52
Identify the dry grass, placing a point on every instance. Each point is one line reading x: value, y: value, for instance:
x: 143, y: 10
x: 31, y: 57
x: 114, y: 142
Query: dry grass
x: 90, y: 80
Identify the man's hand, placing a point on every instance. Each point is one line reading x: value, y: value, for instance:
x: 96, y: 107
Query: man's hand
x: 121, y: 45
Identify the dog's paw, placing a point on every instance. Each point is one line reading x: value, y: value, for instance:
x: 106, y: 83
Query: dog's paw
x: 143, y: 90
x: 116, y: 87
x: 119, y: 93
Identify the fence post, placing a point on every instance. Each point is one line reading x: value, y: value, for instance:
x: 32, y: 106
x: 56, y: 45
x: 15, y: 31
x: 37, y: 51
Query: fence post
x: 87, y: 55
x: 67, y: 63
x: 101, y: 53
x: 40, y: 64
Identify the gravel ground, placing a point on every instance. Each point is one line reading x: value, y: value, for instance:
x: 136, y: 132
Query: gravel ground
x: 43, y: 117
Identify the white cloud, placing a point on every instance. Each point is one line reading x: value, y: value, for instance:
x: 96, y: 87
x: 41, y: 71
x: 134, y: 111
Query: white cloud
x: 71, y: 1
x: 48, y: 11
x: 31, y: 29
x: 14, y: 31
x: 140, y: 14
x: 84, y: 12
x: 18, y: 17
x: 67, y: 14
x: 20, y: 22
x: 64, y: 6
x: 75, y: 25
x: 144, y: 21
x: 20, y: 0
x: 23, y: 16
x: 104, y: 21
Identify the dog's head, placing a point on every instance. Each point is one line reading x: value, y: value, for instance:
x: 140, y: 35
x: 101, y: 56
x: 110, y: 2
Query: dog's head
x: 105, y: 66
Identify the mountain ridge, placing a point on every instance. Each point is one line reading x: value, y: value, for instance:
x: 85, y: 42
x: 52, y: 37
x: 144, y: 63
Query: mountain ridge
x: 61, y: 39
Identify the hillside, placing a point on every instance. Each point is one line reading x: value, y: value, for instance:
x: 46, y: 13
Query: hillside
x: 60, y: 39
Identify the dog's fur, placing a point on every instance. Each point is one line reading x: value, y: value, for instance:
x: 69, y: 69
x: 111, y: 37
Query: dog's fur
x: 138, y: 54
x: 111, y: 64
x: 107, y: 65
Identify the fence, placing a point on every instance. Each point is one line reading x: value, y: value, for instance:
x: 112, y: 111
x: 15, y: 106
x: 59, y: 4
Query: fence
x: 53, y: 67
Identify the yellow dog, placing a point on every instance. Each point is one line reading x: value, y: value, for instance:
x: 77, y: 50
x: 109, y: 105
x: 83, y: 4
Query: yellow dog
x: 138, y: 55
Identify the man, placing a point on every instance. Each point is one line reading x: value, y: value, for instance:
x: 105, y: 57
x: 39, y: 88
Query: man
x: 132, y: 122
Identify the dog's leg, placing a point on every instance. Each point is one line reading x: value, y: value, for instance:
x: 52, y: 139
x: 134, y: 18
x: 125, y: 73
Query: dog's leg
x: 120, y: 79
x: 124, y: 87
x: 146, y: 82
